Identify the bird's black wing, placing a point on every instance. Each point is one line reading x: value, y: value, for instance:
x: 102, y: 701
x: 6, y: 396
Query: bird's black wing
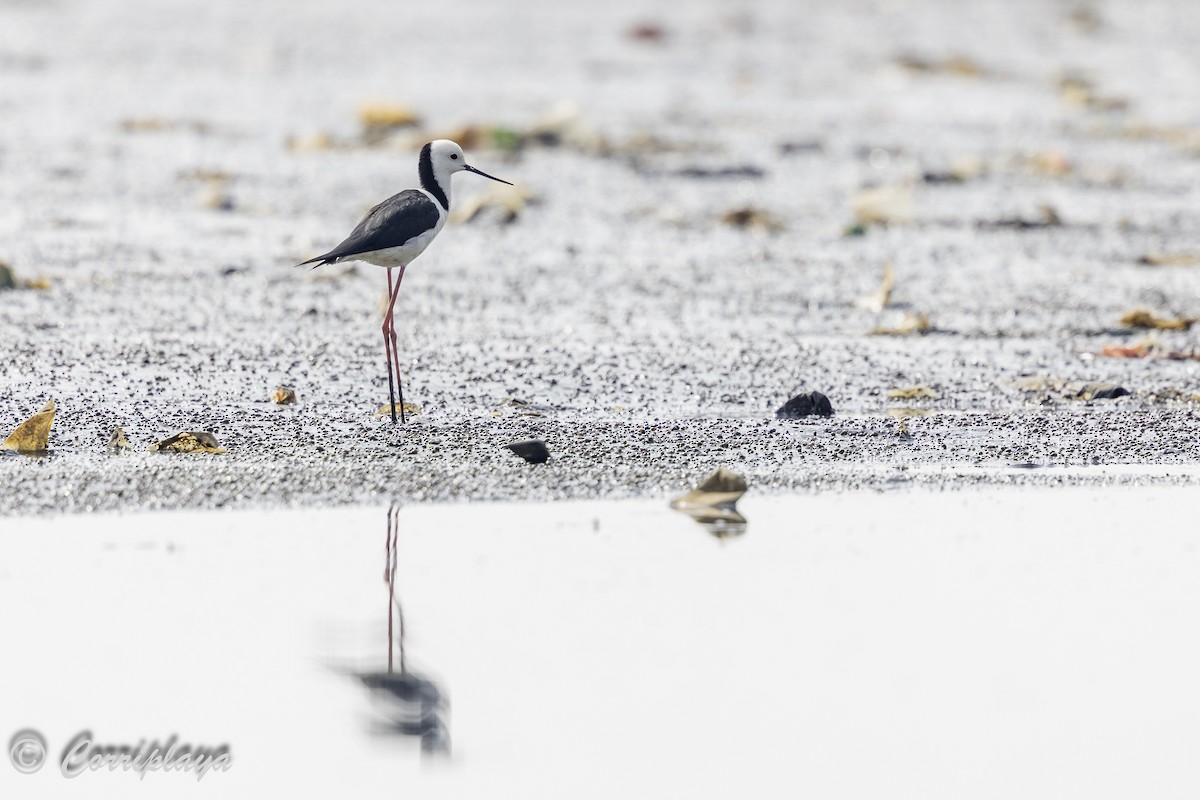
x: 389, y: 224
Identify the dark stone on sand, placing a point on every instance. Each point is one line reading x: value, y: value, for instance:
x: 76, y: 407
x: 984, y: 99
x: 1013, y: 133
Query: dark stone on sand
x: 941, y: 177
x: 809, y: 146
x: 1102, y: 391
x: 805, y: 405
x: 532, y: 450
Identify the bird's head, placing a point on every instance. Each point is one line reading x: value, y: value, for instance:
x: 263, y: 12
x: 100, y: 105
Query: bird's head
x: 446, y: 158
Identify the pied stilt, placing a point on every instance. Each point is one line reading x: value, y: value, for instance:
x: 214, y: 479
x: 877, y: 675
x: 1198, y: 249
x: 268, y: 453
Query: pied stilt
x: 398, y: 230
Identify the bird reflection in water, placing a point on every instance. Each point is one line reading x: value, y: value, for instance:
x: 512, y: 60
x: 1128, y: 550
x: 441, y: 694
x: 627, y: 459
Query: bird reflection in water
x: 409, y: 704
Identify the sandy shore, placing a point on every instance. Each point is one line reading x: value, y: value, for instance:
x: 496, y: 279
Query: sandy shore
x: 163, y: 178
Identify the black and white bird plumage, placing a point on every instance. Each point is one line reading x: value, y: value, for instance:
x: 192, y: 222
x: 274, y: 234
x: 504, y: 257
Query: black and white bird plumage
x: 392, y: 233
x: 399, y: 229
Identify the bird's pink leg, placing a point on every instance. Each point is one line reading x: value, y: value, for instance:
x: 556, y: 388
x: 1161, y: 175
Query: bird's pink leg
x: 395, y: 351
x: 388, y: 337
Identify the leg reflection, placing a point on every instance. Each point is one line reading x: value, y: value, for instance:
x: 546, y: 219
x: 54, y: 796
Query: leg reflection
x: 409, y: 704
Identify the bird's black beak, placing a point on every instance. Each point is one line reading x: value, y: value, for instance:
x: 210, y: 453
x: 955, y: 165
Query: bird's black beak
x: 469, y: 168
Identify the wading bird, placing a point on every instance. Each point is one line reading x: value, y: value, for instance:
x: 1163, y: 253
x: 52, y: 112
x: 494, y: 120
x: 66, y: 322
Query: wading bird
x: 398, y: 230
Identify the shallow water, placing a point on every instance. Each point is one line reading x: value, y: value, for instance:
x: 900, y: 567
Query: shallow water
x: 982, y: 643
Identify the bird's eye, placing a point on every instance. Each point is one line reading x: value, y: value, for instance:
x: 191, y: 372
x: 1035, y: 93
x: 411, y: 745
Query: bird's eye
x: 454, y: 156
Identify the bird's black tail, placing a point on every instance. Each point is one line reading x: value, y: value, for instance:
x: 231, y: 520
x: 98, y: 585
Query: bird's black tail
x: 319, y: 261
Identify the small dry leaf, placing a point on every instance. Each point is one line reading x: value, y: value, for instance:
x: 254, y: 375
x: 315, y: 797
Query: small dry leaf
x: 1080, y: 92
x: 1120, y: 351
x: 387, y: 115
x: 283, y: 395
x: 1053, y: 164
x: 1170, y: 259
x: 158, y: 125
x: 508, y: 200
x: 39, y: 283
x: 954, y: 65
x: 967, y: 168
x: 512, y: 406
x: 1048, y: 217
x: 8, y: 278
x: 880, y: 299
x: 721, y: 488
x: 469, y: 137
x: 1148, y: 349
x: 1141, y: 318
x: 647, y: 32
x: 1085, y: 18
x: 142, y: 124
x: 380, y: 120
x: 118, y: 442
x: 884, y: 204
x: 386, y: 411
x: 309, y: 142
x: 1176, y: 396
x: 215, y: 198
x: 912, y: 393
x: 32, y: 435
x: 1101, y: 391
x: 752, y: 218
x: 1075, y: 90
x: 962, y: 169
x: 189, y: 442
x: 912, y: 323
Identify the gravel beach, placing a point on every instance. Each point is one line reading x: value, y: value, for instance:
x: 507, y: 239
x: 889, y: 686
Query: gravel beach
x: 714, y: 200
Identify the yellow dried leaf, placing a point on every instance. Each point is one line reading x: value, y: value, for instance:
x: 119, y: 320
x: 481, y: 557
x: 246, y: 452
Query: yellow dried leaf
x: 118, y: 442
x: 954, y: 65
x: 283, y: 395
x: 386, y: 411
x: 912, y: 393
x: 387, y: 115
x: 1170, y: 259
x: 32, y: 435
x: 509, y: 200
x: 884, y: 204
x: 912, y: 323
x: 1052, y: 163
x: 189, y: 442
x: 310, y: 141
x: 1141, y: 318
